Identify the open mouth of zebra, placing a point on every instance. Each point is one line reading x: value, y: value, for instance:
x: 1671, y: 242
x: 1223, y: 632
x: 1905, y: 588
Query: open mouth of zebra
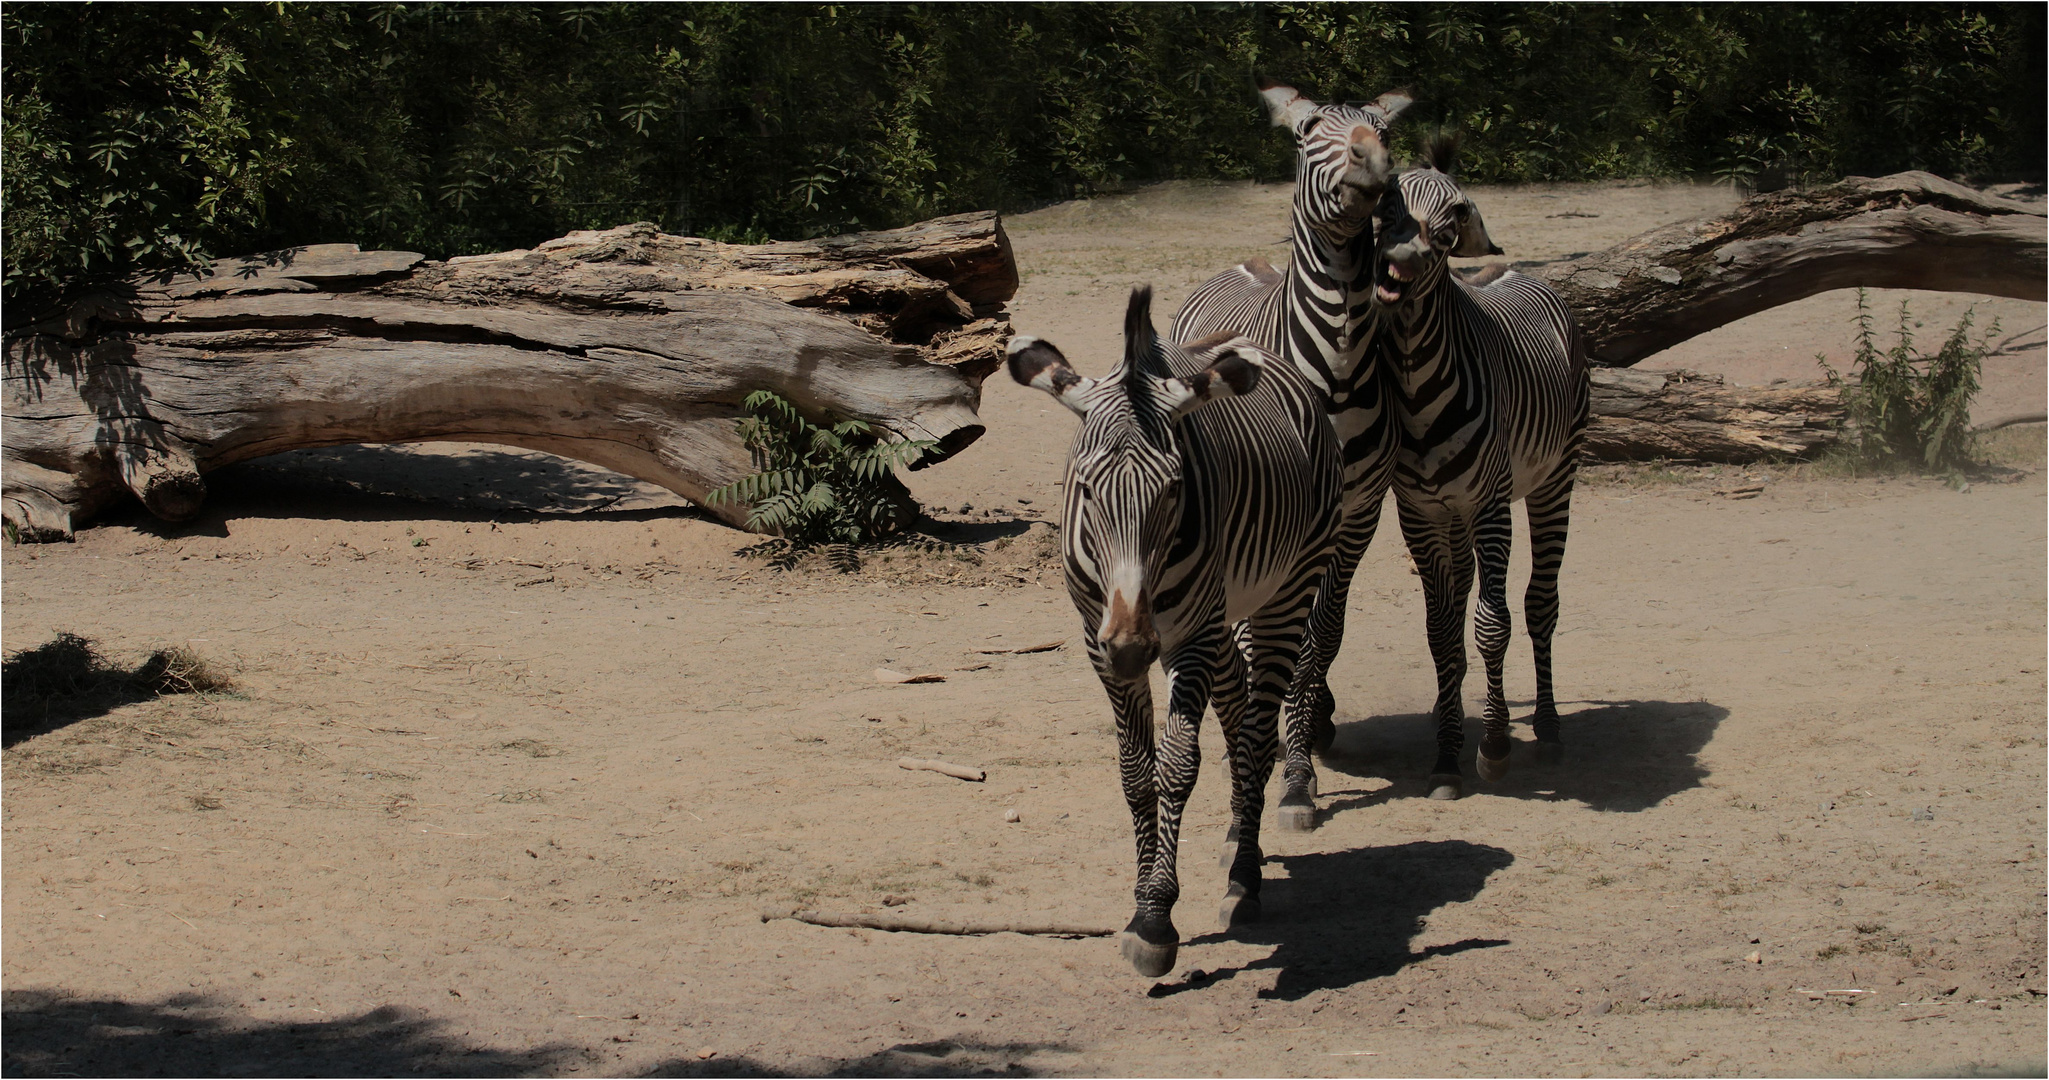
x: 1390, y: 283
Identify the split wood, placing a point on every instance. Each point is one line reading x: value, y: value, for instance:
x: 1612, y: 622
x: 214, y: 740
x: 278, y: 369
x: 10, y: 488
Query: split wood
x: 907, y: 925
x: 950, y: 769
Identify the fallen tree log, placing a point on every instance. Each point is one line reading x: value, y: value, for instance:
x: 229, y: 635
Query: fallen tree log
x: 1909, y: 230
x: 1691, y: 416
x: 625, y: 348
x: 1687, y: 416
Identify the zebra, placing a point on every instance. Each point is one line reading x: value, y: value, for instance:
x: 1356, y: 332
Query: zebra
x: 1489, y: 385
x: 1319, y: 317
x: 1201, y: 494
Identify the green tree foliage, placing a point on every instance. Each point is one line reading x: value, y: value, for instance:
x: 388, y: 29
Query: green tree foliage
x: 1905, y: 408
x: 151, y: 135
x: 820, y: 486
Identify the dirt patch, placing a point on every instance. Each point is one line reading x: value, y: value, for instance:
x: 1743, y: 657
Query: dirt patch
x: 506, y: 787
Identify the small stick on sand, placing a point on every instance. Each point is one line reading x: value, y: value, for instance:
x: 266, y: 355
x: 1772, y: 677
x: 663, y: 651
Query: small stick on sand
x: 934, y: 765
x: 1043, y: 647
x: 885, y: 675
x: 907, y: 925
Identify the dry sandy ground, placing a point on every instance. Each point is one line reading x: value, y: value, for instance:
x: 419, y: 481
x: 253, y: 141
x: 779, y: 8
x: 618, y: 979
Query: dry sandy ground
x: 505, y: 792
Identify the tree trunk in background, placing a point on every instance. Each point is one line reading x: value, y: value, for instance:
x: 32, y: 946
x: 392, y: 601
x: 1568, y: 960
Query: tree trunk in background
x: 1910, y: 230
x: 626, y: 348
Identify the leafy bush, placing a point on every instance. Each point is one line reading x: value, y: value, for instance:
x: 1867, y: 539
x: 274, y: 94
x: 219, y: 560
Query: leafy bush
x: 1908, y: 408
x: 820, y: 486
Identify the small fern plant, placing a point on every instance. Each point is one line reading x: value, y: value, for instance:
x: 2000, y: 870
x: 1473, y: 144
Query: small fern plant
x: 832, y: 486
x: 1909, y: 408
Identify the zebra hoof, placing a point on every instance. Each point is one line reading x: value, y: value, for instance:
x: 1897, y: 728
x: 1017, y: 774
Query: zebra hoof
x: 1295, y: 817
x: 1148, y: 959
x: 1240, y: 907
x: 1491, y: 768
x: 1550, y: 752
x: 1445, y: 787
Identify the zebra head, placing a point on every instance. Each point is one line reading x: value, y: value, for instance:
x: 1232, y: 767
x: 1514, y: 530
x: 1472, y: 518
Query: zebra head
x: 1342, y: 166
x: 1425, y: 219
x: 1124, y: 476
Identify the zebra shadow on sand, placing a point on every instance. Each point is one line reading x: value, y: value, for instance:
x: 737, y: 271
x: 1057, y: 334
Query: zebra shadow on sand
x: 1344, y: 917
x: 1620, y: 756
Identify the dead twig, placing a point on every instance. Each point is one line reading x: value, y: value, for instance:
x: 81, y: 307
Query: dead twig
x: 909, y: 925
x: 948, y: 768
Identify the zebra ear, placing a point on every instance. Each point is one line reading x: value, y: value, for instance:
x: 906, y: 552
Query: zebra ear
x: 1393, y: 102
x: 1234, y: 373
x: 1039, y: 365
x: 1285, y: 105
x: 1473, y: 240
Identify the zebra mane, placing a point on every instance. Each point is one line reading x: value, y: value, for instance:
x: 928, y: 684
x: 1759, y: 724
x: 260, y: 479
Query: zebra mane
x: 1440, y: 151
x: 1141, y: 342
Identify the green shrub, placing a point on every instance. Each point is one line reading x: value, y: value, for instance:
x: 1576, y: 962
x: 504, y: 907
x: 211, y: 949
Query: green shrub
x: 1907, y: 408
x: 147, y: 137
x: 820, y: 486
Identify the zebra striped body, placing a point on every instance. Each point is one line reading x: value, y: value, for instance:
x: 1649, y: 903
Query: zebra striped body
x: 1489, y: 390
x: 1201, y: 508
x: 1319, y: 318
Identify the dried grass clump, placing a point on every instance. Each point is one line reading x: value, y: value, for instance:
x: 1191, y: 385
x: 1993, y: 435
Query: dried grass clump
x: 68, y: 678
x: 179, y: 670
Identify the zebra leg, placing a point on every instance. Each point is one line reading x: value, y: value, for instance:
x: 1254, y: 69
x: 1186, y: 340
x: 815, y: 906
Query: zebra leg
x: 1443, y: 552
x: 1310, y: 707
x: 1150, y: 941
x: 1277, y: 649
x: 1550, y: 510
x: 1132, y: 703
x: 1493, y: 536
x: 1228, y: 699
x: 1241, y: 843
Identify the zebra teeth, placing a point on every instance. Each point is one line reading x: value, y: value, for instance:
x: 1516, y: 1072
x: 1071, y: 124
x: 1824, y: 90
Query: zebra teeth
x: 1395, y: 271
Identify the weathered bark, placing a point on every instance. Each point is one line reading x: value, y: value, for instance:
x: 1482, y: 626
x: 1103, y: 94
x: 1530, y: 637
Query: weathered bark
x: 1687, y: 416
x: 625, y: 348
x: 1906, y: 231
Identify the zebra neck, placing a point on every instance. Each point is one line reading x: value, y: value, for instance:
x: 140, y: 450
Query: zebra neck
x: 1328, y: 318
x: 1419, y: 331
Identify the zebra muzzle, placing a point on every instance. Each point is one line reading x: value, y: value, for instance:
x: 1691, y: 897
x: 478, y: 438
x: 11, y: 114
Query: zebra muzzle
x: 1129, y: 641
x: 1130, y: 657
x: 1366, y: 176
